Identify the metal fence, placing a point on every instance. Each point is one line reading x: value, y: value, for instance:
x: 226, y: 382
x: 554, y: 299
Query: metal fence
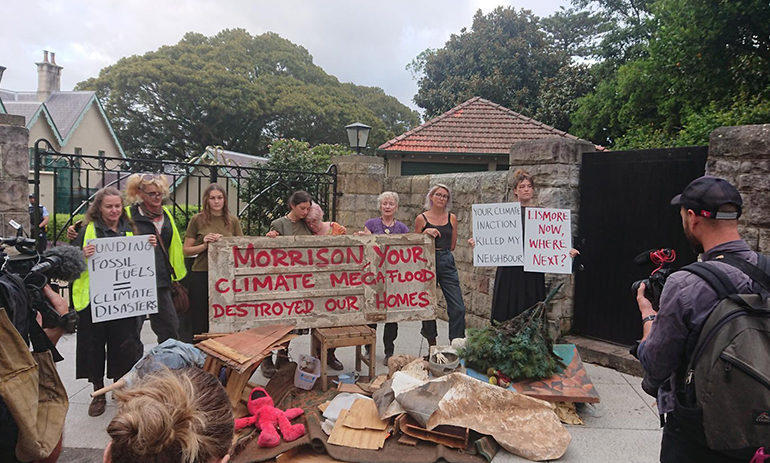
x: 256, y: 195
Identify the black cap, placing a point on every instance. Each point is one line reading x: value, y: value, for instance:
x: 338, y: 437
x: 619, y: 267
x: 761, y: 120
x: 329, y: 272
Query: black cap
x: 32, y: 195
x: 705, y: 195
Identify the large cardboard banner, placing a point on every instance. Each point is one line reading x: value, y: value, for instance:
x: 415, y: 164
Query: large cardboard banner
x: 497, y: 231
x: 320, y: 281
x: 548, y: 236
x: 122, y: 278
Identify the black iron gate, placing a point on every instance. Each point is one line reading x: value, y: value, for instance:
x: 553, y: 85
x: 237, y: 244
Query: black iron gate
x: 625, y: 210
x: 257, y: 195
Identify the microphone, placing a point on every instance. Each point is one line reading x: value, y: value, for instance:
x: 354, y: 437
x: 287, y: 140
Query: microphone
x: 644, y: 258
x: 62, y: 263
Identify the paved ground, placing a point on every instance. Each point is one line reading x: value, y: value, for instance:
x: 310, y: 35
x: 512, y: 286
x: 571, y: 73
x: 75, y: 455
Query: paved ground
x: 623, y: 427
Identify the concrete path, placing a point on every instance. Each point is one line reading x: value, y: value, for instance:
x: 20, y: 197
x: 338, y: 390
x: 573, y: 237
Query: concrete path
x: 623, y: 427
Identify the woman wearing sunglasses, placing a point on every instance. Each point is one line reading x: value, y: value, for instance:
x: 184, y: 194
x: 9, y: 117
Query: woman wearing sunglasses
x: 146, y: 192
x: 441, y: 224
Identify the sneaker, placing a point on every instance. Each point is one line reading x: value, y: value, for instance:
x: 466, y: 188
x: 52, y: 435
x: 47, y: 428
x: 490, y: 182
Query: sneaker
x: 267, y: 367
x: 97, y: 406
x: 282, y: 358
x: 385, y: 360
x: 334, y: 363
x: 368, y: 348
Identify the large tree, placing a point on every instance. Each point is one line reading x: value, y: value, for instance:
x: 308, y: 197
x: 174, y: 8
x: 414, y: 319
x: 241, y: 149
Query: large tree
x: 238, y: 91
x: 504, y: 58
x: 706, y: 64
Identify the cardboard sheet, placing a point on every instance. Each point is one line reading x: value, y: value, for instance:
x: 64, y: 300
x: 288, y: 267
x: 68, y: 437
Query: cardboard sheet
x: 367, y: 439
x: 242, y: 350
x: 363, y: 415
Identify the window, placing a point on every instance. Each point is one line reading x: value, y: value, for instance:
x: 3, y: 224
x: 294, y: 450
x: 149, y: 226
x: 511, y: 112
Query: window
x: 101, y: 153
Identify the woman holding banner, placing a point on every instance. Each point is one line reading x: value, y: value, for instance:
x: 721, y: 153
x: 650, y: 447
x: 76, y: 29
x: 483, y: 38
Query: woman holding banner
x: 386, y: 224
x: 106, y: 218
x: 146, y: 192
x: 516, y: 290
x: 294, y: 224
x: 441, y: 224
x: 209, y: 226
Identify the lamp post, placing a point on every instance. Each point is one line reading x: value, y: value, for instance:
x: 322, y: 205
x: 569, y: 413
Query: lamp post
x: 358, y: 135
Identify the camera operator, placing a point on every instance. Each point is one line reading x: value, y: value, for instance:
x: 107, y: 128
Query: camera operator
x: 33, y: 401
x: 709, y: 208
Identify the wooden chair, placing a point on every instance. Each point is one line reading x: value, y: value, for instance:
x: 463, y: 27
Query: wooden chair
x: 344, y: 336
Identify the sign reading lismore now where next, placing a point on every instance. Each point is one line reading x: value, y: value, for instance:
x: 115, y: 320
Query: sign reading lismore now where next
x: 320, y: 281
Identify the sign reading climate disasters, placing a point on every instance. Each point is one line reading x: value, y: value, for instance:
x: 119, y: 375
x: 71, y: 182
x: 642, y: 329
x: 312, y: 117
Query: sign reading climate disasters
x: 320, y: 281
x: 121, y: 277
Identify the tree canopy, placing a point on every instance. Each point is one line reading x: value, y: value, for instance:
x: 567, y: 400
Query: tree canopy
x: 238, y: 91
x: 621, y: 73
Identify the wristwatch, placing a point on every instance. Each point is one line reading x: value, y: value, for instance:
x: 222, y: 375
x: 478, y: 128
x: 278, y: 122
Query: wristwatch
x: 648, y: 318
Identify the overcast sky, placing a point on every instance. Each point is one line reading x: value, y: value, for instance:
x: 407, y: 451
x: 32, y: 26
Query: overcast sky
x: 364, y: 42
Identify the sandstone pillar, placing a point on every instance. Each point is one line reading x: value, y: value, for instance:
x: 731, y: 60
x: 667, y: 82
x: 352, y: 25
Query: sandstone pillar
x: 555, y: 165
x: 742, y: 156
x: 360, y: 180
x: 14, y: 173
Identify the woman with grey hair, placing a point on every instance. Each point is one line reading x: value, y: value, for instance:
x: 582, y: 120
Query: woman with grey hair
x: 441, y: 224
x: 386, y: 224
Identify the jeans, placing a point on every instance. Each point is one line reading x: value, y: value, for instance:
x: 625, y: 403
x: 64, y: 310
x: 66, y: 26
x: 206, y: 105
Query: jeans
x: 449, y: 281
x: 679, y: 446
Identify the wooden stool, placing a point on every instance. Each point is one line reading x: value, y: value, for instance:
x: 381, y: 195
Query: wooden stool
x: 344, y: 336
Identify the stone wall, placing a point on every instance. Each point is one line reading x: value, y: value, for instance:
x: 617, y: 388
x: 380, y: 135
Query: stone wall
x: 553, y: 162
x: 14, y: 173
x: 742, y: 156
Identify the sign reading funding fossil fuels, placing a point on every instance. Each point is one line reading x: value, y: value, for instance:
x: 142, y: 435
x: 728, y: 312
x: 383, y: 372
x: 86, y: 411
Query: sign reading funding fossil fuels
x: 122, y: 278
x: 320, y: 281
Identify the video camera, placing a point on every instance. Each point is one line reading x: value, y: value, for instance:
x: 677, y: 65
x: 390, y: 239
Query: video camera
x: 34, y: 271
x: 653, y: 286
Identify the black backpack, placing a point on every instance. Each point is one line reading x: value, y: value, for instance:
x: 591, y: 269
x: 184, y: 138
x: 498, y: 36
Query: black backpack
x: 724, y: 396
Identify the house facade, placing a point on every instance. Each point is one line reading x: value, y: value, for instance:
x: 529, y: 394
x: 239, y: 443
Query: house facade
x: 474, y: 136
x: 73, y: 122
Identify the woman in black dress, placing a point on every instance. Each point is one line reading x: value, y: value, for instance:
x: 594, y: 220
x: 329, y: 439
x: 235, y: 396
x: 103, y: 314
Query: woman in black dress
x: 516, y: 290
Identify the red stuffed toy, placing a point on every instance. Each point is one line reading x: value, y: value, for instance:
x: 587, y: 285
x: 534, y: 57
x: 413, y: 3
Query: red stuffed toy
x: 265, y: 416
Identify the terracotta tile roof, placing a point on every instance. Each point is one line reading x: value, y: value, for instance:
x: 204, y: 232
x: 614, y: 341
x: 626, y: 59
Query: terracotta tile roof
x: 477, y: 126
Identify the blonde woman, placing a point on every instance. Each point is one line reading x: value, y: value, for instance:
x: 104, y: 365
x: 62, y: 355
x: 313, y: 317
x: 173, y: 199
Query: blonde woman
x: 314, y: 221
x: 181, y: 416
x: 146, y: 192
x: 441, y: 224
x: 208, y: 226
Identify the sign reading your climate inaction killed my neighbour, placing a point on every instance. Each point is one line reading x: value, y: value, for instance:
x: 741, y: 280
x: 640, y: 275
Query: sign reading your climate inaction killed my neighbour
x: 320, y: 281
x: 497, y: 231
x: 122, y: 278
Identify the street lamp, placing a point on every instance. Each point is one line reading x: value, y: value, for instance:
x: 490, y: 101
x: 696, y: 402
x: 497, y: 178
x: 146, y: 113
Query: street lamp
x: 358, y: 135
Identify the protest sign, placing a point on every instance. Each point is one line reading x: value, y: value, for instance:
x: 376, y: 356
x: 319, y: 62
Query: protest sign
x: 122, y: 278
x: 497, y: 232
x: 548, y: 239
x: 320, y: 281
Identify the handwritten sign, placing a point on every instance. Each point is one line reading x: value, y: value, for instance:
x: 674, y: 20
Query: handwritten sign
x: 548, y: 236
x: 320, y: 281
x: 122, y: 278
x: 497, y: 231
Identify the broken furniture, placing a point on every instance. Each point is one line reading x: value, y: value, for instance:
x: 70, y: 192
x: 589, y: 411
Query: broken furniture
x: 234, y: 358
x: 344, y: 336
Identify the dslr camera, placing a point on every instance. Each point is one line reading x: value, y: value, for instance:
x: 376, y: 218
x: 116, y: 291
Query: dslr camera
x: 653, y: 286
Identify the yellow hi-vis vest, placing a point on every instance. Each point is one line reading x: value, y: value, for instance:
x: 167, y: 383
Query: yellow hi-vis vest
x: 175, y: 253
x: 81, y: 296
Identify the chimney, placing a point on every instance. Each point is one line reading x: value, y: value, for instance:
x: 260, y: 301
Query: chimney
x: 48, y: 77
x: 2, y: 70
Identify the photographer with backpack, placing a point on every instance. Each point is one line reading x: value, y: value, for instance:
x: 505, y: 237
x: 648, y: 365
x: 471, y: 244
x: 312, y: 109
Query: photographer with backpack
x: 705, y: 353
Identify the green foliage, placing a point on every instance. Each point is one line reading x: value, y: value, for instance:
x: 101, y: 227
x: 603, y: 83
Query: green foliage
x: 183, y: 213
x: 559, y: 95
x: 521, y: 347
x: 503, y: 58
x: 238, y: 91
x: 292, y: 154
x: 58, y: 222
x: 575, y: 33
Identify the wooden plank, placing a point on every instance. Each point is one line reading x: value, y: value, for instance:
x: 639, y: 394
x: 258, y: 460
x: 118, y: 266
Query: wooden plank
x: 363, y: 415
x: 368, y: 439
